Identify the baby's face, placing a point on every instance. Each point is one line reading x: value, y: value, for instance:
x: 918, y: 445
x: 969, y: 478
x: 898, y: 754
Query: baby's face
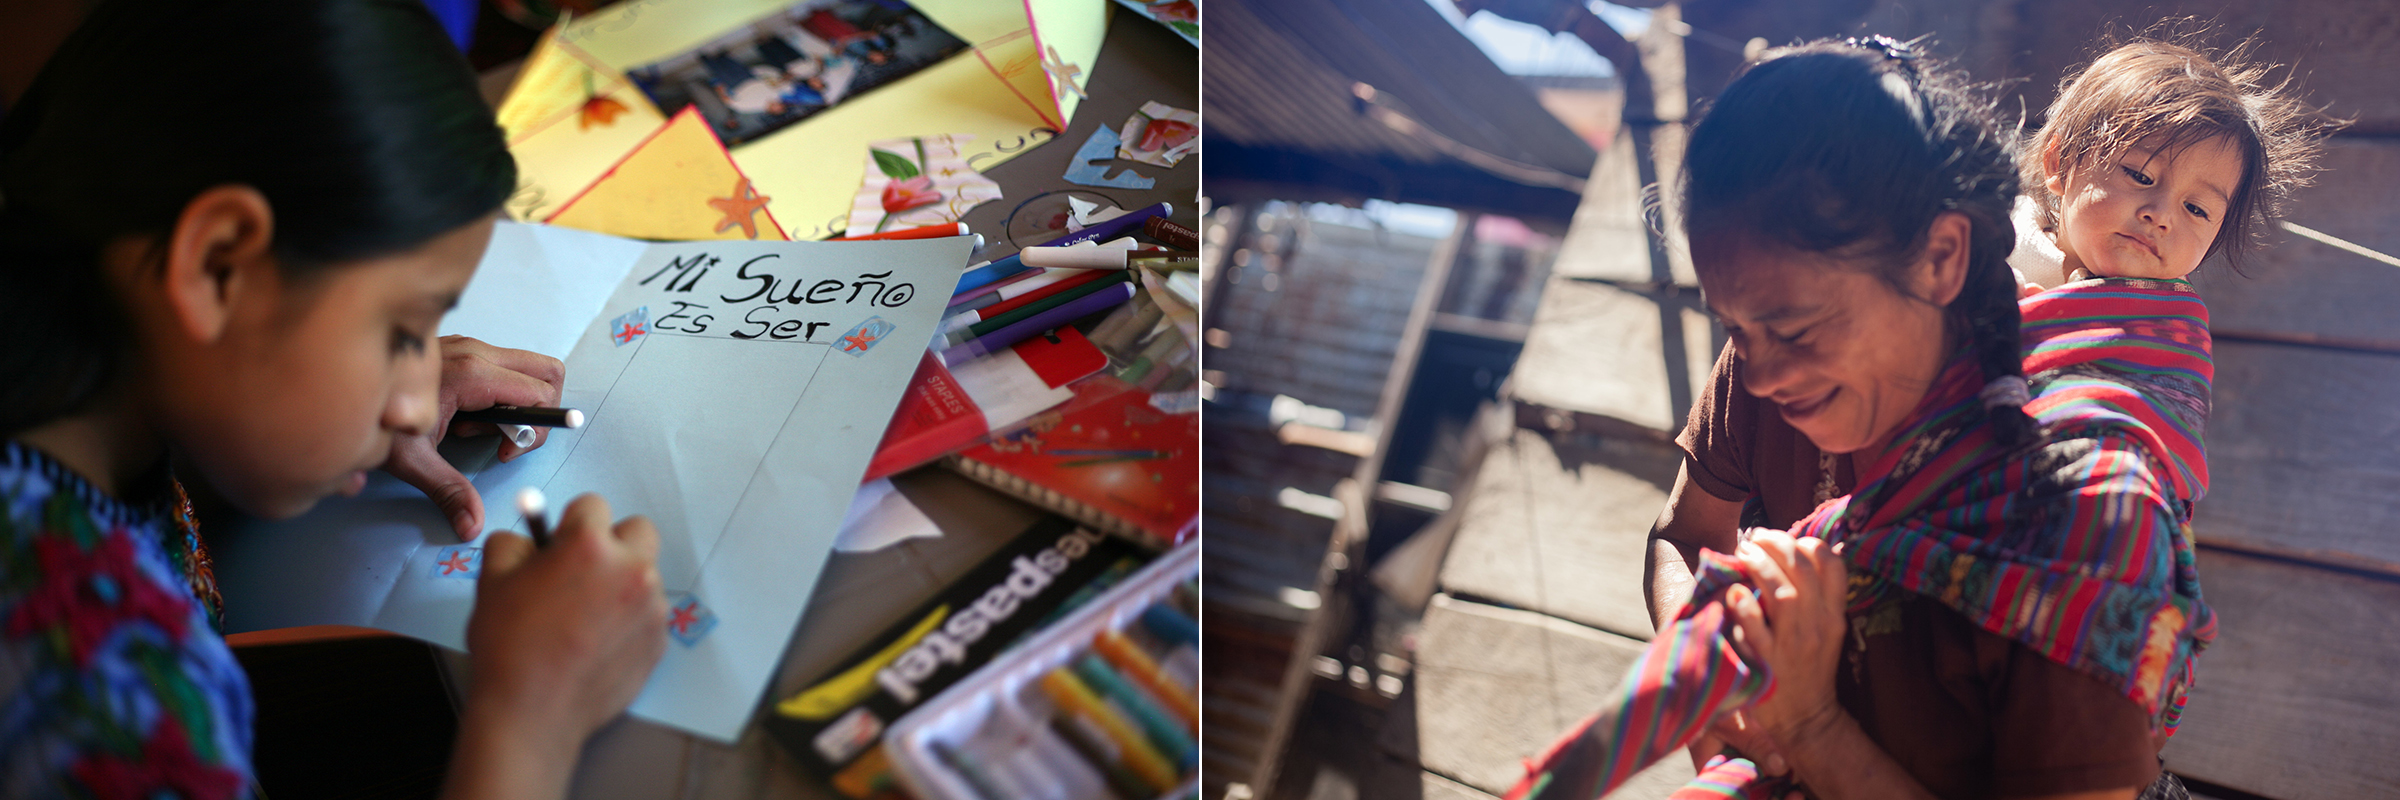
x: 2148, y: 214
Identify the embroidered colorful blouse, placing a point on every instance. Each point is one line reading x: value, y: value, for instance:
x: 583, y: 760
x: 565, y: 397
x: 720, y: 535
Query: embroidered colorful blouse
x: 113, y: 681
x: 2078, y: 548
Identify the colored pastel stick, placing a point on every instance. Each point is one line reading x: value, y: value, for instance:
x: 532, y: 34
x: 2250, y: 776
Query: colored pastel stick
x: 1136, y: 754
x: 1121, y: 782
x: 1139, y: 666
x: 1039, y: 305
x: 927, y: 232
x: 1109, y: 297
x: 1164, y: 731
x: 1169, y: 624
x: 977, y: 780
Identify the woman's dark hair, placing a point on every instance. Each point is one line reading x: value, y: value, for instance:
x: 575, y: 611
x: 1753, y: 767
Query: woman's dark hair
x: 2172, y: 96
x: 356, y: 119
x: 1851, y: 149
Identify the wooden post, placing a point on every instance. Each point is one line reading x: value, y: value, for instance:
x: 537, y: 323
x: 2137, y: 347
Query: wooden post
x: 1337, y: 571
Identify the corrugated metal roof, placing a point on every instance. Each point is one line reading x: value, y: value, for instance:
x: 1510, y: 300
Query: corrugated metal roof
x: 1282, y: 115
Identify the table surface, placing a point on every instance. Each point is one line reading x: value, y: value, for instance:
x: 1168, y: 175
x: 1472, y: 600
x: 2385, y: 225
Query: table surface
x: 860, y: 594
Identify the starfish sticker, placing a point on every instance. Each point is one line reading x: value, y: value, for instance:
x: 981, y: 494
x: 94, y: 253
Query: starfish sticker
x: 1062, y: 74
x: 458, y: 562
x: 741, y: 209
x: 630, y: 326
x: 866, y: 335
x: 688, y: 620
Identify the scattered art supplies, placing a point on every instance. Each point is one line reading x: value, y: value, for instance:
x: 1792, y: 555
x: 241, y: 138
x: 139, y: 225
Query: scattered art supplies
x: 1108, y: 459
x: 1099, y: 705
x: 734, y: 393
x: 678, y: 185
x: 990, y: 336
x: 835, y: 726
x: 794, y: 63
x: 1018, y: 81
x: 945, y: 410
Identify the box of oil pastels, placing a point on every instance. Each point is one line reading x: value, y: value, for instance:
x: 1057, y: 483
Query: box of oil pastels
x: 1098, y: 707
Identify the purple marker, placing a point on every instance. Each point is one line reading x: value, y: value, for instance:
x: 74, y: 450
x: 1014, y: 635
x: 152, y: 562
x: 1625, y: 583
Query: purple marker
x: 1033, y: 326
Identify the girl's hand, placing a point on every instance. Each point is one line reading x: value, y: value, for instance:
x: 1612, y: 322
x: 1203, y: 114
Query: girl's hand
x: 562, y: 640
x: 1794, y: 621
x: 475, y: 376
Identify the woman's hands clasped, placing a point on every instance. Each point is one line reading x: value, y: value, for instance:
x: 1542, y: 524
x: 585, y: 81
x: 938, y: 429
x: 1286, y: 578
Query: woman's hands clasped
x: 1794, y: 622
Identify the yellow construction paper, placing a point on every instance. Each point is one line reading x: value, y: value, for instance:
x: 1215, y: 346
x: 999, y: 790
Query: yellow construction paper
x: 680, y: 185
x: 997, y: 92
x: 561, y: 147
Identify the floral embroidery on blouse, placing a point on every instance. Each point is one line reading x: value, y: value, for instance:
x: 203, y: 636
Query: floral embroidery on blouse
x: 113, y: 680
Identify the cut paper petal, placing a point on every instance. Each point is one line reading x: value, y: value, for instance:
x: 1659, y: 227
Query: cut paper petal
x: 1083, y: 169
x: 1159, y: 134
x: 916, y: 182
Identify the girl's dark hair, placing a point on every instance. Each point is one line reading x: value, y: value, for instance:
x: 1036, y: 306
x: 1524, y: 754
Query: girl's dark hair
x: 1851, y: 149
x: 356, y: 119
x: 2174, y: 96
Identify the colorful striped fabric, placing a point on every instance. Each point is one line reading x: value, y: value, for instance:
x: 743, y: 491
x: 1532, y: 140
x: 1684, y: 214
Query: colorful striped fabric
x: 2079, y: 548
x: 1688, y: 674
x: 1723, y: 778
x: 2151, y: 337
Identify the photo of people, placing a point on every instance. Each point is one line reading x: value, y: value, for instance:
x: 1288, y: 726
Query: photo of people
x: 793, y: 63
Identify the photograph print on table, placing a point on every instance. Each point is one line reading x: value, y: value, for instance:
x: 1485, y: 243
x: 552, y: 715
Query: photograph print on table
x: 791, y: 64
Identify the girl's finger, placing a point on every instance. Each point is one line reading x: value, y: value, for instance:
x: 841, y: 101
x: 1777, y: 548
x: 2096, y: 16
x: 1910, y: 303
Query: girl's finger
x: 540, y: 367
x: 586, y: 516
x: 637, y: 534
x: 471, y: 429
x: 503, y: 553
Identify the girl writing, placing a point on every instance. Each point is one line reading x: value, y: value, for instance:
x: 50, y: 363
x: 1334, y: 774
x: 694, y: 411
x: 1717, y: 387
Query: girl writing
x: 231, y: 279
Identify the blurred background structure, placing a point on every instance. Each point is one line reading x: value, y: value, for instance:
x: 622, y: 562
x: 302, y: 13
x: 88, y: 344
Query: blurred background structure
x: 1447, y: 354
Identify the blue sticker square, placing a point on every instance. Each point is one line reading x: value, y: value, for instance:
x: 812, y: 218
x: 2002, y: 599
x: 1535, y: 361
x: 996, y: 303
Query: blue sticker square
x: 688, y: 620
x: 633, y: 325
x: 458, y: 562
x: 864, y: 337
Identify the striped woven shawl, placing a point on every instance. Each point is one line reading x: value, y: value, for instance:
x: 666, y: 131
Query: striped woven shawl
x: 2078, y: 547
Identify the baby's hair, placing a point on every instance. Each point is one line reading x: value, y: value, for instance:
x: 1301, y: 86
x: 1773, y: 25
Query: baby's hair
x: 2174, y: 95
x: 356, y: 119
x: 1851, y: 149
